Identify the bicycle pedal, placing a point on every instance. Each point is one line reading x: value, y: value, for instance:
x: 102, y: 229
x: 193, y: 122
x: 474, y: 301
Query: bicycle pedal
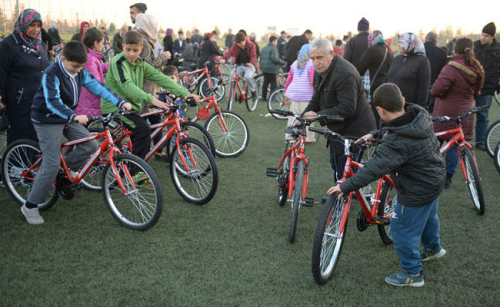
x: 272, y: 172
x: 308, y: 202
x: 381, y: 220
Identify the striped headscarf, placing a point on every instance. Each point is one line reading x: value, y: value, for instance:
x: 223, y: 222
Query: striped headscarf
x: 411, y: 44
x: 23, y: 22
x: 375, y: 37
x: 304, y: 56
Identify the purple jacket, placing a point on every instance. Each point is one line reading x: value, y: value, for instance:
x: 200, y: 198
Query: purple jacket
x: 89, y: 103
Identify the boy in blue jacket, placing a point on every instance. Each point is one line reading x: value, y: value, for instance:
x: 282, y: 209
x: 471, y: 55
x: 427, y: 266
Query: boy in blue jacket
x: 53, y: 115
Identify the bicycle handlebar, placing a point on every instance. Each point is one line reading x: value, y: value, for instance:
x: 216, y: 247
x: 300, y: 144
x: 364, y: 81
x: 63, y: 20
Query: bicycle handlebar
x: 330, y: 133
x: 106, y: 119
x: 447, y: 118
x: 333, y: 118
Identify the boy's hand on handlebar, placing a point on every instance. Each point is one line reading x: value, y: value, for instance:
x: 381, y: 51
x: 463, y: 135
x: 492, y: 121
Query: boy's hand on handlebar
x: 364, y: 140
x: 195, y: 97
x: 81, y: 119
x: 335, y: 189
x: 127, y: 106
x: 159, y: 104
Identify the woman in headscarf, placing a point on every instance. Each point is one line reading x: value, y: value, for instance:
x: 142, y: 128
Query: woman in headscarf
x: 411, y: 70
x: 168, y: 43
x: 209, y: 50
x: 84, y: 26
x: 147, y: 26
x: 455, y: 89
x: 299, y: 87
x: 23, y: 59
x: 377, y: 59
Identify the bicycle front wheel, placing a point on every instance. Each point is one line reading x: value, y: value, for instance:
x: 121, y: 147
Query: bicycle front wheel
x: 252, y: 103
x: 283, y: 173
x: 278, y: 101
x: 195, y: 131
x: 492, y: 138
x: 21, y: 162
x: 328, y: 239
x: 231, y: 95
x: 229, y: 132
x: 473, y: 180
x: 194, y: 172
x: 139, y: 204
x: 296, y: 199
x: 497, y: 157
x: 385, y: 209
x: 206, y: 92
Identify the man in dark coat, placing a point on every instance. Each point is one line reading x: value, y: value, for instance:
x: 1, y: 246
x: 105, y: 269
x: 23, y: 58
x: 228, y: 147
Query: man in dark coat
x: 357, y: 45
x: 282, y: 45
x: 487, y: 51
x: 437, y: 59
x: 294, y: 45
x: 338, y: 91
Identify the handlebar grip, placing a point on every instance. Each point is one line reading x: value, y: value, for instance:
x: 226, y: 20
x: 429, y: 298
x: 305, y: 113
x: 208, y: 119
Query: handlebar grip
x: 333, y: 118
x: 318, y: 130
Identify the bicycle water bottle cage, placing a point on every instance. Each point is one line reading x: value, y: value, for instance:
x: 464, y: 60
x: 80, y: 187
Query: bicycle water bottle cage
x: 203, y: 114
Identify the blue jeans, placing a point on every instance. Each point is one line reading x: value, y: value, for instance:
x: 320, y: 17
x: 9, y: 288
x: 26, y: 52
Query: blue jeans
x: 338, y: 162
x: 482, y: 117
x: 409, y: 227
x: 452, y: 159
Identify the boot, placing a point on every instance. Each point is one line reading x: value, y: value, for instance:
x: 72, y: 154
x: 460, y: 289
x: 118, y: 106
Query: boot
x: 447, y: 183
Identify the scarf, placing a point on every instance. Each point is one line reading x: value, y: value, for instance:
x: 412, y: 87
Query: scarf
x: 147, y: 25
x: 375, y: 37
x: 23, y: 22
x: 303, y: 58
x: 411, y: 44
x: 82, y: 24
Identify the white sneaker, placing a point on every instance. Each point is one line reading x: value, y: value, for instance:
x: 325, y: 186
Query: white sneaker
x: 32, y: 215
x: 15, y: 172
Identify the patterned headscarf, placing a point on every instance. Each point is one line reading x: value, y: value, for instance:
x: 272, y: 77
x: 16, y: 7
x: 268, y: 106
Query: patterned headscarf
x: 375, y: 37
x: 169, y: 31
x: 147, y: 25
x: 411, y: 44
x: 304, y: 56
x: 23, y: 22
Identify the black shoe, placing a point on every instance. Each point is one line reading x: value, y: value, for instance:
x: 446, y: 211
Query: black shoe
x: 481, y: 146
x: 447, y: 183
x: 254, y: 95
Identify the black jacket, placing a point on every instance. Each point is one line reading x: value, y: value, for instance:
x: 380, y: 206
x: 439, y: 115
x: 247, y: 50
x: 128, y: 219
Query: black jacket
x: 413, y: 76
x: 54, y: 34
x: 208, y: 51
x: 437, y: 59
x: 489, y: 57
x: 281, y: 47
x: 355, y: 47
x: 340, y: 92
x: 293, y: 48
x: 409, y: 152
x: 371, y: 59
x: 21, y: 71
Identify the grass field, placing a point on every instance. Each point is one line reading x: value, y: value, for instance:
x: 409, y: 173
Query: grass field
x: 233, y: 251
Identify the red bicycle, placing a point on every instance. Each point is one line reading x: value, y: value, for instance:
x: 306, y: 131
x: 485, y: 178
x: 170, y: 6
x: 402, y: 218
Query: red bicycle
x: 131, y: 189
x: 332, y: 224
x: 238, y: 84
x: 468, y: 162
x: 293, y: 170
x: 200, y: 79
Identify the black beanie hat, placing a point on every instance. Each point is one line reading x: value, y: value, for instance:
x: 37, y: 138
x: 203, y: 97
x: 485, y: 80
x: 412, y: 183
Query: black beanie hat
x: 490, y: 29
x: 363, y: 24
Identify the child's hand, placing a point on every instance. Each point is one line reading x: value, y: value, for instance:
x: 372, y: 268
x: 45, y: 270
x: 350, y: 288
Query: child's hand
x: 335, y: 189
x: 159, y: 104
x: 81, y: 119
x: 195, y: 97
x: 127, y: 106
x: 364, y: 138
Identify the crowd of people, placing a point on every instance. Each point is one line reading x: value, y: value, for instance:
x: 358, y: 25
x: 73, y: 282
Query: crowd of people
x: 359, y: 79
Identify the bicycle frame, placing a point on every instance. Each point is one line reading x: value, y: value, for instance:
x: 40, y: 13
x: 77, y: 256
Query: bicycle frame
x: 235, y: 80
x: 202, y: 72
x: 297, y: 153
x: 204, y: 112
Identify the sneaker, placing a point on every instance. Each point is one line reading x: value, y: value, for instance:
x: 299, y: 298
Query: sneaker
x: 254, y: 95
x: 32, y: 215
x: 404, y: 279
x: 141, y: 180
x: 437, y: 252
x: 15, y: 172
x: 481, y: 146
x: 447, y: 183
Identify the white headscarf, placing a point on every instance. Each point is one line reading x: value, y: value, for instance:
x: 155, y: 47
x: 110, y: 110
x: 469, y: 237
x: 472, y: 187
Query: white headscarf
x: 148, y: 25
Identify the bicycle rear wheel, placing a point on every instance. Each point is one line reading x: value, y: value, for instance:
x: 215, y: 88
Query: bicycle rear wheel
x: 328, y: 239
x: 230, y: 142
x: 385, y: 209
x: 197, y: 179
x: 206, y: 92
x: 296, y: 199
x: 278, y: 101
x: 18, y: 158
x: 492, y: 137
x: 473, y: 180
x: 140, y: 204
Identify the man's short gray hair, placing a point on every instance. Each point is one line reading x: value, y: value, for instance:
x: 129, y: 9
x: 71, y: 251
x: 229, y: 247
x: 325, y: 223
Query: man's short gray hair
x: 321, y: 43
x: 431, y: 37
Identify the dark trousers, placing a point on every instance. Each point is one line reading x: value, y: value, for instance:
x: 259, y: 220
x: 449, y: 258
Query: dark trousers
x: 268, y: 79
x: 140, y: 138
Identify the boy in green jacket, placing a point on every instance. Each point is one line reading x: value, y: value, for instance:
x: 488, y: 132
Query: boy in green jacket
x: 126, y: 75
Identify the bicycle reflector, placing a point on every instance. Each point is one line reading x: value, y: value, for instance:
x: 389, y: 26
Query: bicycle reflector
x: 203, y: 114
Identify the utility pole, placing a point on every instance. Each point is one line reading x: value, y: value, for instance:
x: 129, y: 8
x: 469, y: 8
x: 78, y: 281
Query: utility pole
x: 17, y: 8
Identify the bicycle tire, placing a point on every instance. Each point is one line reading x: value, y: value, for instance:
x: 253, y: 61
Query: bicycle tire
x: 492, y: 138
x: 473, y: 180
x: 496, y: 95
x: 252, y: 103
x: 20, y: 156
x: 197, y: 184
x: 296, y: 199
x: 260, y: 79
x: 142, y: 205
x: 326, y: 249
x: 232, y: 143
x: 278, y: 101
x: 385, y: 208
x: 205, y: 92
x: 195, y: 131
x: 283, y: 173
x: 230, y: 97
x: 497, y: 157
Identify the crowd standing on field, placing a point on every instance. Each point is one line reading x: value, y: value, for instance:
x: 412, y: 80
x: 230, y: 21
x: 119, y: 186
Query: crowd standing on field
x: 358, y: 78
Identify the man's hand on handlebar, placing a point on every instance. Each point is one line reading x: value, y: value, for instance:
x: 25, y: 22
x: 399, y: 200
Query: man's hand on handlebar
x: 159, y: 104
